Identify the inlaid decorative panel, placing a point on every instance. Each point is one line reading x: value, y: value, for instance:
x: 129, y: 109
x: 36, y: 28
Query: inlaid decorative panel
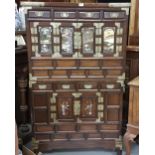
x: 45, y: 39
x: 65, y: 106
x: 66, y: 40
x: 108, y: 39
x: 89, y: 106
x: 88, y: 40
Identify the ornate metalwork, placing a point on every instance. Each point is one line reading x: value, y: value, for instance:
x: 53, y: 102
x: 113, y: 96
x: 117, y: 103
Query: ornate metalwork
x: 77, y: 40
x: 76, y: 95
x: 110, y: 86
x: 117, y: 24
x: 126, y: 10
x: 41, y: 86
x: 35, y: 24
x: 32, y: 80
x: 66, y: 86
x: 77, y: 25
x: 119, y: 143
x: 88, y: 86
x: 39, y: 13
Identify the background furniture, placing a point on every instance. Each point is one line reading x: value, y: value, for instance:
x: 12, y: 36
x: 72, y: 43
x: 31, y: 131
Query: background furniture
x: 76, y: 73
x: 133, y: 115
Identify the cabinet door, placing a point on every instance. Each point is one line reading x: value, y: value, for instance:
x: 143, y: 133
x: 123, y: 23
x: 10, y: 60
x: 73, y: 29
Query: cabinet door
x: 64, y: 103
x: 41, y: 107
x: 113, y: 102
x: 88, y: 106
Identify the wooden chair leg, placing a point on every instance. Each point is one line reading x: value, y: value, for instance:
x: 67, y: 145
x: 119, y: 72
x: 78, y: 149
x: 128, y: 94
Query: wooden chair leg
x: 128, y: 138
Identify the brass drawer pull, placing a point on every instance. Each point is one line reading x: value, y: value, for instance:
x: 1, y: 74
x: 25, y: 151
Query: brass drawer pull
x: 110, y: 86
x: 66, y: 86
x: 42, y: 86
x: 88, y: 86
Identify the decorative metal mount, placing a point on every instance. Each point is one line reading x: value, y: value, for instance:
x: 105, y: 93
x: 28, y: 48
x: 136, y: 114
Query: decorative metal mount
x: 32, y: 80
x: 119, y: 143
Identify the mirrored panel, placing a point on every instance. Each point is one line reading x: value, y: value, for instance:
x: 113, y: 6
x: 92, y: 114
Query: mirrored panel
x: 88, y: 40
x: 66, y: 40
x: 45, y: 39
x: 109, y: 39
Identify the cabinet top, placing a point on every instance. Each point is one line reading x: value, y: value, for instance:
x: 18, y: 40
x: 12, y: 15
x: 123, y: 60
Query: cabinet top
x: 134, y: 82
x: 58, y: 4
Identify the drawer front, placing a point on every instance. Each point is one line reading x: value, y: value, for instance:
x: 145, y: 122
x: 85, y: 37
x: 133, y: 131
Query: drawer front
x: 66, y: 127
x: 87, y: 127
x: 39, y: 14
x: 64, y: 14
x: 114, y: 14
x: 44, y: 128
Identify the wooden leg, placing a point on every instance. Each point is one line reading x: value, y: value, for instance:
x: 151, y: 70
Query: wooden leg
x: 128, y: 138
x: 119, y: 152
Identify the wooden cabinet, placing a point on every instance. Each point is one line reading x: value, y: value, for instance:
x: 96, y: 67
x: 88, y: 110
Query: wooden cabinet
x: 76, y: 74
x: 133, y: 115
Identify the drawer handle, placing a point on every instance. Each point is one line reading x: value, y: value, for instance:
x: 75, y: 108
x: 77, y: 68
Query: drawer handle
x: 88, y: 86
x: 66, y: 86
x: 110, y: 86
x: 64, y: 14
x: 42, y: 86
x: 39, y: 14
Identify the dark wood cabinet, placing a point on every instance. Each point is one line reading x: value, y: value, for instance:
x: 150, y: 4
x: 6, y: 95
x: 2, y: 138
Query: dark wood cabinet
x: 76, y: 74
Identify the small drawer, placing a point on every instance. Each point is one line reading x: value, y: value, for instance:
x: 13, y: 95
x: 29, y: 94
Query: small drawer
x: 110, y: 134
x: 78, y: 74
x: 39, y: 14
x: 77, y: 136
x: 66, y: 64
x: 109, y: 127
x: 42, y: 86
x: 94, y: 64
x: 114, y: 72
x: 94, y: 136
x: 66, y: 127
x: 42, y: 63
x: 88, y: 127
x: 59, y: 136
x: 45, y: 128
x: 110, y: 85
x: 64, y: 14
x: 40, y: 73
x: 114, y: 14
x: 42, y: 137
x: 87, y: 15
x: 112, y: 63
